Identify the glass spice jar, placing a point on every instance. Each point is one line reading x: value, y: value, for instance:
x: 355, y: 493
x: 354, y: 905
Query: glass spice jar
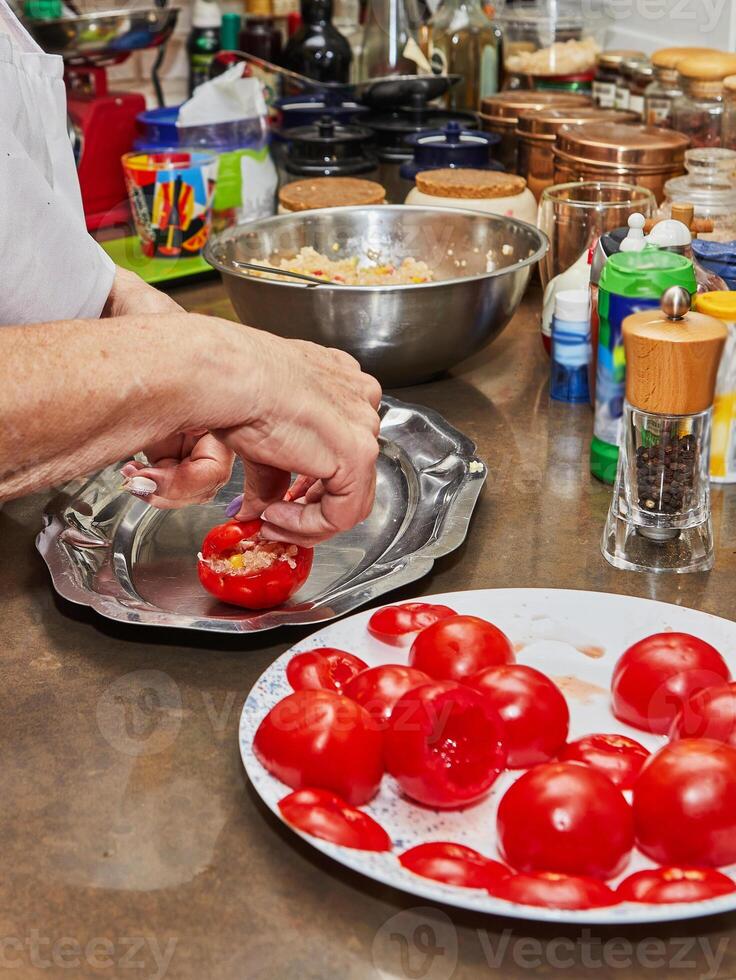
x: 607, y: 76
x: 662, y: 92
x: 698, y: 112
x: 640, y: 74
x: 709, y: 188
x: 729, y: 113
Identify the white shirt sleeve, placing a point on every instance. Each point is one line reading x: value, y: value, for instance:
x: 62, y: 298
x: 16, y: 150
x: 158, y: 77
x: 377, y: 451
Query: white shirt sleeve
x: 51, y: 268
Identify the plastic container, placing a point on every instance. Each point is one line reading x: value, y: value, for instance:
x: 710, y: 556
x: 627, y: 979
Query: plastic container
x: 552, y: 37
x: 571, y: 347
x: 475, y: 190
x: 709, y: 187
x: 450, y: 147
x: 630, y: 282
x: 723, y: 437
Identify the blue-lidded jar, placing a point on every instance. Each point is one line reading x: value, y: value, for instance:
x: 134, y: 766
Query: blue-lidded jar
x: 571, y: 347
x: 452, y: 147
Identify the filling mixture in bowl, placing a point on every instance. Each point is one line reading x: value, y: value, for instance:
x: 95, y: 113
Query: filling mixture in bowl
x: 350, y: 273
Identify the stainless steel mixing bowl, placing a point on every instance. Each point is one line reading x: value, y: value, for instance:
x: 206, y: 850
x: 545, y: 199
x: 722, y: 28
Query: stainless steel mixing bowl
x: 401, y: 334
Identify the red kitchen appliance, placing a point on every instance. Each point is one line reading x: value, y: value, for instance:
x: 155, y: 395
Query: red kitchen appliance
x: 102, y: 122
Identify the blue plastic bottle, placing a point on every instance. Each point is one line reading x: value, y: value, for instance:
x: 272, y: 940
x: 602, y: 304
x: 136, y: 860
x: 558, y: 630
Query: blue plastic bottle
x: 571, y: 347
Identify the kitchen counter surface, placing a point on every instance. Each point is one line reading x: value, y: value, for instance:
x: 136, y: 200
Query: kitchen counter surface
x: 132, y: 844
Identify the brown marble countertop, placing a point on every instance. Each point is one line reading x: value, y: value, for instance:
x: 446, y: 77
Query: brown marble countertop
x: 132, y: 844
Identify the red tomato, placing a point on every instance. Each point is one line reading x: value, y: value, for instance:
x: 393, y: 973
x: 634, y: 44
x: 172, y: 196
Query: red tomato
x: 324, y: 668
x: 239, y: 568
x: 685, y: 804
x: 533, y: 710
x: 655, y: 676
x: 455, y: 648
x: 708, y: 714
x: 398, y: 625
x: 379, y: 688
x: 616, y: 756
x: 321, y: 740
x: 327, y: 816
x: 444, y: 744
x: 453, y: 864
x: 660, y: 886
x: 567, y: 818
x: 555, y: 891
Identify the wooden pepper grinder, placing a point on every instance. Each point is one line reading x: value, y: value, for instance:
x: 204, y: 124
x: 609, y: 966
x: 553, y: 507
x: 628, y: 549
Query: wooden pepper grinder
x: 660, y: 517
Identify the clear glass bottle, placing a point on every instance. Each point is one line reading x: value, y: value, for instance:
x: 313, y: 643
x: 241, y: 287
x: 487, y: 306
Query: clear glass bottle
x: 463, y: 41
x: 346, y: 18
x: 390, y: 45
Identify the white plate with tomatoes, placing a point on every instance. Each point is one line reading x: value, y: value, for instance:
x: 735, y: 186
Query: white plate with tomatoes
x: 519, y: 766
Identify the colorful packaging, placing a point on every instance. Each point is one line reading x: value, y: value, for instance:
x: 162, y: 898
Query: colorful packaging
x: 630, y: 282
x: 723, y: 440
x: 171, y: 198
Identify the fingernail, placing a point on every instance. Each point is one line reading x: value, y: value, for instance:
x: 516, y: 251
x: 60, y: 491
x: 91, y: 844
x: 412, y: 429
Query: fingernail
x: 234, y: 506
x: 140, y: 486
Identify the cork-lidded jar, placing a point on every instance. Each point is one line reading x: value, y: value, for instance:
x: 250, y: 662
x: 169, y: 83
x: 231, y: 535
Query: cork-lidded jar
x: 329, y: 192
x: 666, y: 87
x: 698, y: 112
x: 475, y: 190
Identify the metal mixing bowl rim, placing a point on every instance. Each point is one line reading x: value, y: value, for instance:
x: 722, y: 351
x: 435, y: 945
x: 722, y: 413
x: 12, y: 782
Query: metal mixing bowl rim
x: 539, y: 254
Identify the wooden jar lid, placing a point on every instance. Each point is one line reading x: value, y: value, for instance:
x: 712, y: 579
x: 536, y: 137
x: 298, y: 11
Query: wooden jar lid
x: 711, y: 67
x: 470, y: 184
x: 330, y: 192
x: 671, y: 365
x: 671, y: 57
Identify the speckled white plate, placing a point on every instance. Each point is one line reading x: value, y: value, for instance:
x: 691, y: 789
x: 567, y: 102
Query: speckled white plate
x: 575, y: 638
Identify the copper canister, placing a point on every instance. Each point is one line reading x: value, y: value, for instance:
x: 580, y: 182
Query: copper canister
x: 643, y: 155
x: 537, y: 132
x: 500, y: 114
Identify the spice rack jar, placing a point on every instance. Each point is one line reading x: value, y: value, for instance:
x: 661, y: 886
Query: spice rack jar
x: 666, y: 88
x: 698, y: 112
x: 608, y: 76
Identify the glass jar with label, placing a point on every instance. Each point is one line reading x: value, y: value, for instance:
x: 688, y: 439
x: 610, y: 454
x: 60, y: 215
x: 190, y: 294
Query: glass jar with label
x: 729, y: 112
x: 665, y: 88
x: 607, y: 76
x: 639, y: 74
x: 698, y: 112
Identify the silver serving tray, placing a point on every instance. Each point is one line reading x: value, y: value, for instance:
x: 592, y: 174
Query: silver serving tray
x: 136, y: 564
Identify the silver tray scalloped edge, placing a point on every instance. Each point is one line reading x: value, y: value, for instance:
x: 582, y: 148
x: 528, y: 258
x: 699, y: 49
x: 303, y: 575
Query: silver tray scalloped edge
x: 132, y: 563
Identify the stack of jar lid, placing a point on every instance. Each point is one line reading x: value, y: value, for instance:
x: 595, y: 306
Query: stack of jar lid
x: 329, y: 149
x: 500, y: 114
x: 537, y: 133
x: 633, y: 154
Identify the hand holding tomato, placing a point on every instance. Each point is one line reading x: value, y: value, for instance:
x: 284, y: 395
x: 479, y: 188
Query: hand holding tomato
x: 238, y: 567
x: 457, y: 647
x: 321, y: 740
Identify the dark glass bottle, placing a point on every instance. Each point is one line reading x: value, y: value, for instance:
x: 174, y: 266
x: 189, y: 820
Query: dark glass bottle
x: 260, y: 36
x: 318, y: 49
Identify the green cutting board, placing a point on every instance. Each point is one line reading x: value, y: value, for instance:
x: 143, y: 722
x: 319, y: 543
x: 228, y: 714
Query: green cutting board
x: 127, y: 253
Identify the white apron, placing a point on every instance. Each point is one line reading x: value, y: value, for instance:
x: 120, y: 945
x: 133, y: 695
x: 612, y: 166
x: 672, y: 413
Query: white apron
x: 50, y: 267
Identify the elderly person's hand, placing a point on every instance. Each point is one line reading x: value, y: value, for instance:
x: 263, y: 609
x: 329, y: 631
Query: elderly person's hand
x: 131, y: 296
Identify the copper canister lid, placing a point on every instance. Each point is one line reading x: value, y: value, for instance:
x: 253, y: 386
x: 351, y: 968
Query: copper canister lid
x: 508, y: 105
x: 549, y: 122
x: 623, y: 145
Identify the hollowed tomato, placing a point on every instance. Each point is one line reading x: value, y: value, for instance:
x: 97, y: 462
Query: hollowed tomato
x: 616, y: 756
x: 660, y: 886
x: 238, y: 567
x: 327, y: 816
x: 654, y: 677
x: 453, y: 864
x: 455, y: 648
x: 565, y: 818
x: 322, y: 740
x: 533, y: 710
x: 708, y: 714
x: 444, y: 744
x: 324, y: 668
x: 555, y: 891
x: 398, y: 625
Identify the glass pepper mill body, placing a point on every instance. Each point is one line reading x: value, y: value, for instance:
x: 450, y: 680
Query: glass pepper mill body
x: 660, y: 516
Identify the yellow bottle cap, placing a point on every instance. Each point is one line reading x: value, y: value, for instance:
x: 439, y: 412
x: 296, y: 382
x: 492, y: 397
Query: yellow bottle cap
x: 720, y: 304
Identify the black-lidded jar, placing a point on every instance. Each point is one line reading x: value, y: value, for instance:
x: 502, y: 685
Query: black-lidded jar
x: 329, y: 149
